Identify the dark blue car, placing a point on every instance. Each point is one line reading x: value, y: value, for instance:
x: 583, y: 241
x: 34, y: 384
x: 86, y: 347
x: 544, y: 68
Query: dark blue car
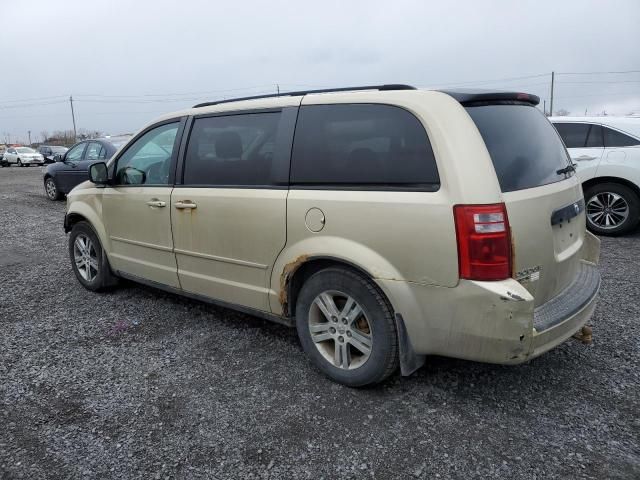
x: 72, y: 167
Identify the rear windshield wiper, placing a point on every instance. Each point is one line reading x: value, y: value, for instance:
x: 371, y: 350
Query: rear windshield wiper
x: 569, y: 168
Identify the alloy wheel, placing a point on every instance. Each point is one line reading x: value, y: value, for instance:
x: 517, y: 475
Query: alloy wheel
x: 85, y: 257
x: 607, y: 210
x: 50, y: 187
x: 340, y: 330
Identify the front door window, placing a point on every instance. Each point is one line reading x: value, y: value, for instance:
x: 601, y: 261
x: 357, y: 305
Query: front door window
x: 147, y: 161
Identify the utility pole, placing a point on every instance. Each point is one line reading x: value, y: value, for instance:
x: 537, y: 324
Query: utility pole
x: 29, y: 131
x: 544, y: 107
x: 73, y: 117
x: 278, y: 89
x: 553, y: 75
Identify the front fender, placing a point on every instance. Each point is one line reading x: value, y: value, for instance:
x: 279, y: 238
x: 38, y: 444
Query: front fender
x: 89, y: 207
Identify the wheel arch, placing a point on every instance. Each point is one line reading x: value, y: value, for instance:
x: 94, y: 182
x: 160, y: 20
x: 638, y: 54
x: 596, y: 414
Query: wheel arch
x: 301, y: 270
x: 83, y: 212
x: 611, y: 179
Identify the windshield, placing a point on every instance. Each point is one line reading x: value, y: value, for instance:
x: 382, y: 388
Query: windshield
x: 25, y: 150
x: 525, y: 149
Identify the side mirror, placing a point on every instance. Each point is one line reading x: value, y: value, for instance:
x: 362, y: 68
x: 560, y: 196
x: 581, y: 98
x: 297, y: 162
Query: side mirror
x: 98, y: 173
x: 57, y: 157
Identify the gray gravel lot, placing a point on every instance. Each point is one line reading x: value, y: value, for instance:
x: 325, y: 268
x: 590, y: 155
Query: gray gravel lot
x: 142, y: 384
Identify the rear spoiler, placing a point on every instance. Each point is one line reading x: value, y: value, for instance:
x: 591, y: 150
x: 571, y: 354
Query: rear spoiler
x: 474, y: 97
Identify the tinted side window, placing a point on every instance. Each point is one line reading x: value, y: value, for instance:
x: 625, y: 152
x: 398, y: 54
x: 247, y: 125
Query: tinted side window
x: 232, y: 150
x: 148, y: 159
x: 351, y: 145
x: 574, y: 135
x: 613, y: 138
x: 595, y: 137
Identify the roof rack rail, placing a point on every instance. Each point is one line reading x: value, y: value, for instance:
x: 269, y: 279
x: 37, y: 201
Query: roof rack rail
x: 392, y: 86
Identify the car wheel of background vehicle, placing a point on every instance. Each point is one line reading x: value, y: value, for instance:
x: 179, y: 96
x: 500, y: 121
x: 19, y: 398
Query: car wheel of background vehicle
x: 51, y: 189
x: 346, y: 327
x: 88, y: 260
x: 612, y: 209
x: 20, y: 163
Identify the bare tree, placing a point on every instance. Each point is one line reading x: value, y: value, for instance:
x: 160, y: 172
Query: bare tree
x: 45, y: 135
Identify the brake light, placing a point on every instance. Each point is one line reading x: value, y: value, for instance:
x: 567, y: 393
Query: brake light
x: 484, y: 241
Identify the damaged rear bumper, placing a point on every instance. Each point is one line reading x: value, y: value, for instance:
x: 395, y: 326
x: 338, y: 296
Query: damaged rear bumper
x: 563, y: 315
x: 493, y: 322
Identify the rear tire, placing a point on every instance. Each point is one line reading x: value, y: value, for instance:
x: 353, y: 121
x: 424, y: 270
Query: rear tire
x: 612, y: 209
x: 20, y: 163
x: 358, y: 345
x: 88, y: 260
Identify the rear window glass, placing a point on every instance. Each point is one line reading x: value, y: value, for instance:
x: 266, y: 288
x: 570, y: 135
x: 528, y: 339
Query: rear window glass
x: 580, y: 135
x: 525, y: 148
x: 362, y: 146
x: 574, y: 135
x: 613, y: 138
x: 595, y: 137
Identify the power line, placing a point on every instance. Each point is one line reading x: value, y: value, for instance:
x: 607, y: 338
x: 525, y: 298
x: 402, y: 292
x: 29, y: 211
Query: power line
x: 32, y: 99
x: 498, y: 80
x: 596, y: 73
x: 31, y: 105
x: 208, y: 92
x: 605, y: 82
x: 600, y: 95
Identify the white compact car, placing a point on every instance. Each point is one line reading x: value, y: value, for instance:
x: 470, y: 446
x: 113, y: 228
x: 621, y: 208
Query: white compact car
x: 606, y: 152
x: 22, y: 156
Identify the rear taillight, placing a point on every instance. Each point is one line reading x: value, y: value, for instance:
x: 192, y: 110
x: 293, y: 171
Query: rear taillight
x: 484, y: 241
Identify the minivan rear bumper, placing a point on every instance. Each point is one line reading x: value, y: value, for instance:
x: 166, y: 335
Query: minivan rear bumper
x: 563, y: 315
x: 492, y: 322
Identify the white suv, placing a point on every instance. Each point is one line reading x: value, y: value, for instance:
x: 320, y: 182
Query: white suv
x: 606, y: 151
x: 22, y: 156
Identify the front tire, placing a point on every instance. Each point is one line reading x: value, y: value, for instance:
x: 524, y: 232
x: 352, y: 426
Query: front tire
x: 20, y: 163
x: 612, y: 209
x: 346, y: 327
x: 88, y: 260
x: 51, y: 189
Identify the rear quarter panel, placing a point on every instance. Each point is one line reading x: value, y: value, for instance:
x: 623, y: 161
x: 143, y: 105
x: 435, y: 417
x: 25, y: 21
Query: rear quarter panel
x: 396, y: 235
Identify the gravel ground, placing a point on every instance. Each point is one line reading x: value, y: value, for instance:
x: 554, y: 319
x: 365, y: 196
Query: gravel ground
x: 141, y: 384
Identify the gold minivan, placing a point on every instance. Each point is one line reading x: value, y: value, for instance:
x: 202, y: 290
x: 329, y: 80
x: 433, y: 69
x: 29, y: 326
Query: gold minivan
x: 385, y: 223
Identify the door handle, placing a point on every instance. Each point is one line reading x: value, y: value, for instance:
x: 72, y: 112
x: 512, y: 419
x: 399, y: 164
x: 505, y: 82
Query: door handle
x: 185, y: 205
x: 585, y: 157
x: 154, y: 202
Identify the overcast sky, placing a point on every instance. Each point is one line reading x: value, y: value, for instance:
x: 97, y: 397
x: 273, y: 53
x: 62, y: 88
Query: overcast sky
x: 127, y: 61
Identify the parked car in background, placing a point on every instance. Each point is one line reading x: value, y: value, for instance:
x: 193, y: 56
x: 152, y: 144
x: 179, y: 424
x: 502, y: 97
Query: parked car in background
x: 49, y: 151
x: 71, y: 167
x: 22, y: 156
x: 606, y: 152
x: 386, y: 223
